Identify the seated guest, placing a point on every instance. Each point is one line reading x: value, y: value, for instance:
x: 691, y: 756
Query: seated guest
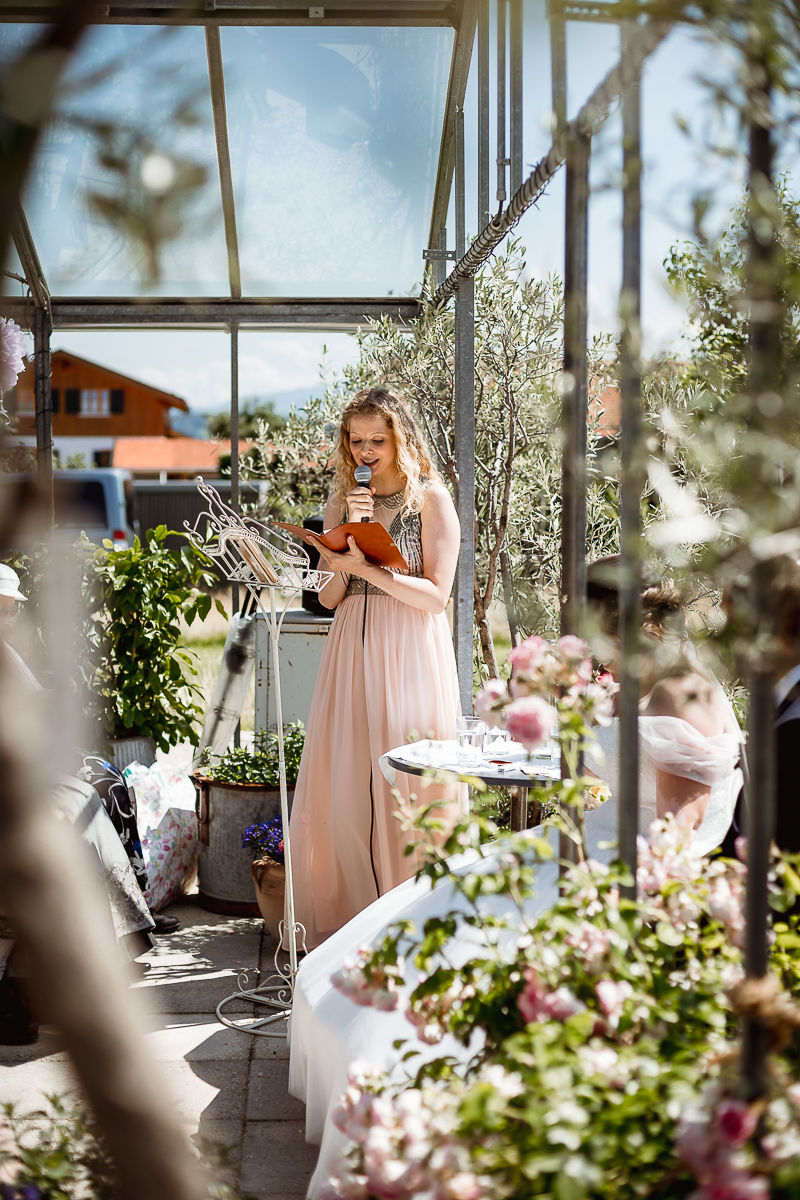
x: 690, y: 740
x: 79, y: 802
x: 786, y: 694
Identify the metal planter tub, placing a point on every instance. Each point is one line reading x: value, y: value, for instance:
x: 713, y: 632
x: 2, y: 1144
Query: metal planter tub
x: 224, y: 811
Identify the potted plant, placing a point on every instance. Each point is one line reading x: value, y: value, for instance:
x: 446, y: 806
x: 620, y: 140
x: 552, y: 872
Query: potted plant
x: 137, y: 680
x: 235, y: 791
x: 269, y: 873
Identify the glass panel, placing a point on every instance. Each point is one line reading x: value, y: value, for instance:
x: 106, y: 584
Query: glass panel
x: 334, y: 142
x: 138, y: 77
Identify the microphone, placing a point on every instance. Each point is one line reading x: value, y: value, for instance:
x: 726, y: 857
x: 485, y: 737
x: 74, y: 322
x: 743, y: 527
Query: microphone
x: 362, y: 476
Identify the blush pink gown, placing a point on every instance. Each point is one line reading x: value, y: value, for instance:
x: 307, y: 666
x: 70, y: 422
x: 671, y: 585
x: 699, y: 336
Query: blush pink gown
x: 388, y: 672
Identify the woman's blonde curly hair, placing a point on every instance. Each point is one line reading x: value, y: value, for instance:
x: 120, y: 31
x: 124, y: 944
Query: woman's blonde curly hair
x: 412, y: 456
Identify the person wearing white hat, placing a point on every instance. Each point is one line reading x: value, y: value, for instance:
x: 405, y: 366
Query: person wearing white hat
x: 10, y: 597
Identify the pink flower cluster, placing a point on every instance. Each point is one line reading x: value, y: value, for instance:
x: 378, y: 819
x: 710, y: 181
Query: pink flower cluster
x: 593, y: 945
x: 12, y: 353
x: 429, y: 1014
x: 667, y: 856
x: 536, y: 1003
x: 542, y: 672
x: 405, y: 1145
x: 708, y: 1142
x: 726, y: 899
x: 371, y: 987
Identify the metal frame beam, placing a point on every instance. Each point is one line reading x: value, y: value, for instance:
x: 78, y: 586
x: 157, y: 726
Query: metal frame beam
x: 34, y: 275
x: 464, y: 593
x: 345, y: 315
x: 631, y: 473
x: 413, y: 13
x: 590, y: 118
x: 456, y: 89
x: 219, y: 111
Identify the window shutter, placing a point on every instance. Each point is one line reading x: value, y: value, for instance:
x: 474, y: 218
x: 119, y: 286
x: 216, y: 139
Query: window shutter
x: 55, y: 399
x: 72, y: 400
x: 118, y: 400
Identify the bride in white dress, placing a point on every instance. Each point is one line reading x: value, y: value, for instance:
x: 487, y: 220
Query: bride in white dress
x: 689, y: 748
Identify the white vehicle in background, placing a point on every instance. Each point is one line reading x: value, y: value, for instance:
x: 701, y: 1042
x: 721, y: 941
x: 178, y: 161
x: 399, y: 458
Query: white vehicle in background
x: 97, y: 501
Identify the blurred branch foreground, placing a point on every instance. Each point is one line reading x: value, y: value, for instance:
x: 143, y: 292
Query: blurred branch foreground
x: 79, y: 979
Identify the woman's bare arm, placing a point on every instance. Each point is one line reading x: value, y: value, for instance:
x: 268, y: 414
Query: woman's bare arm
x: 429, y: 592
x: 333, y: 593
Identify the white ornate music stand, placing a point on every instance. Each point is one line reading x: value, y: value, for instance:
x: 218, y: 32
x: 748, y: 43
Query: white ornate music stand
x: 262, y: 559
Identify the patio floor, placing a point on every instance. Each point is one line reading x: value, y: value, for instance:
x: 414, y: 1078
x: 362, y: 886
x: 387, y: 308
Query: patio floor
x: 230, y: 1087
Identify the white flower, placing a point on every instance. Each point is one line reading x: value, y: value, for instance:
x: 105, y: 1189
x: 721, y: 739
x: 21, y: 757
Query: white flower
x: 12, y: 353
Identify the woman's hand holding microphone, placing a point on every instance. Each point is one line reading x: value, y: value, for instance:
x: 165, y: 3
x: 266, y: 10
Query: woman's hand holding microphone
x: 360, y: 507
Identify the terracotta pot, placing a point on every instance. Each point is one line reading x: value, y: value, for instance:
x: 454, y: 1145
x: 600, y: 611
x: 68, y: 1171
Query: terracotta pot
x: 270, y: 880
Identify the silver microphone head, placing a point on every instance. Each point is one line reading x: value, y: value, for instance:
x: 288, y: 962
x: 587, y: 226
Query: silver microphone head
x: 363, y: 474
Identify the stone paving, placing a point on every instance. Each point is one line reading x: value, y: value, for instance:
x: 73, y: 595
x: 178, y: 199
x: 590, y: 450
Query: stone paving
x: 230, y: 1087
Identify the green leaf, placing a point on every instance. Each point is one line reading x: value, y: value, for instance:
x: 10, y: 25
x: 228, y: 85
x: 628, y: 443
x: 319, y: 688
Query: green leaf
x: 668, y: 934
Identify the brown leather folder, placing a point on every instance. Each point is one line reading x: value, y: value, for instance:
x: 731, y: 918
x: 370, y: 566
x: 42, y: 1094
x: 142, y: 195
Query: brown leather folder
x: 373, y: 540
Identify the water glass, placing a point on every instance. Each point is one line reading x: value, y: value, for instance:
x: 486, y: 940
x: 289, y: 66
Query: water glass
x: 470, y: 732
x: 496, y: 743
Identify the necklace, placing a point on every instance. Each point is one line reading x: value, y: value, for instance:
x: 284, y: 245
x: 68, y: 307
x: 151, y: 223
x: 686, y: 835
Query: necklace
x: 393, y: 501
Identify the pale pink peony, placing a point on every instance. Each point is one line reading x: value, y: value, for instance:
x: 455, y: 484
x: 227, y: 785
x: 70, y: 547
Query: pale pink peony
x: 528, y: 655
x: 574, y: 647
x: 489, y: 702
x: 528, y: 720
x: 464, y: 1186
x: 12, y: 353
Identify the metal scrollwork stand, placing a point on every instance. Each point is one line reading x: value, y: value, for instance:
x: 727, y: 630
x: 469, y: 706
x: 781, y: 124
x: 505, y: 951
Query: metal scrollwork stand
x: 263, y: 559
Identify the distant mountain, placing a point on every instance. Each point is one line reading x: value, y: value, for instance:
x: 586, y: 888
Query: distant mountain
x: 194, y: 424
x: 283, y: 401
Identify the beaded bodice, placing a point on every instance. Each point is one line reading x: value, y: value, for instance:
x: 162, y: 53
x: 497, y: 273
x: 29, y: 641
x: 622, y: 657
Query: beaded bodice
x: 405, y: 529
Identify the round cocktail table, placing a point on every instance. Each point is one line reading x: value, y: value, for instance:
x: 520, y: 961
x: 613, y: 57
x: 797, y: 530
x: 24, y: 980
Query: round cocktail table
x: 502, y: 771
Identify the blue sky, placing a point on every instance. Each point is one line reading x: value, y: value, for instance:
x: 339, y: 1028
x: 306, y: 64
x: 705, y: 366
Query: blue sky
x: 195, y: 365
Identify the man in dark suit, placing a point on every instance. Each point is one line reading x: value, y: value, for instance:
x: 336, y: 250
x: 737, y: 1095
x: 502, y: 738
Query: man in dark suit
x: 786, y: 693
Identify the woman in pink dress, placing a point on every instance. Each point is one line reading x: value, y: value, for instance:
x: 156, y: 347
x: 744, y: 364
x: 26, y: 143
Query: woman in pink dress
x: 388, y: 671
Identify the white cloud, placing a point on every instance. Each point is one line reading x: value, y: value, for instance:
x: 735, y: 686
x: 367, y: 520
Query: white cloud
x: 196, y: 365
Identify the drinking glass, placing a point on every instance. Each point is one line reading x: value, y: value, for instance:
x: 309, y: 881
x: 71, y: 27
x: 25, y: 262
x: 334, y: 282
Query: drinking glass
x: 496, y: 743
x: 470, y: 732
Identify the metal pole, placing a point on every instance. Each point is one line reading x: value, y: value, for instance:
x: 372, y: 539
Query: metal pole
x: 558, y: 66
x: 574, y: 405
x: 502, y: 162
x: 765, y: 352
x: 237, y: 733
x: 463, y: 608
x: 484, y: 215
x: 631, y: 482
x: 461, y: 215
x: 43, y: 406
x: 441, y: 266
x: 515, y: 51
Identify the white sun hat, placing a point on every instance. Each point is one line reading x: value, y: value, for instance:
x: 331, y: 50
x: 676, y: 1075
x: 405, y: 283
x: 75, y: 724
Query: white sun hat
x: 9, y: 583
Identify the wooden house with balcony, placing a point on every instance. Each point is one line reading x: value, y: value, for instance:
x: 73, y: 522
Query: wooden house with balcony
x: 93, y: 407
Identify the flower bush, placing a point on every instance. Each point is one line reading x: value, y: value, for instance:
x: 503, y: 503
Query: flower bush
x: 599, y: 1034
x: 604, y: 1023
x: 265, y: 839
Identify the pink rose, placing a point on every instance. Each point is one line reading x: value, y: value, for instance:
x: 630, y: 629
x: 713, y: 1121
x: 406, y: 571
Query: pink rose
x: 562, y: 1004
x: 528, y: 654
x: 736, y: 1121
x: 574, y: 647
x: 489, y: 700
x: 528, y: 720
